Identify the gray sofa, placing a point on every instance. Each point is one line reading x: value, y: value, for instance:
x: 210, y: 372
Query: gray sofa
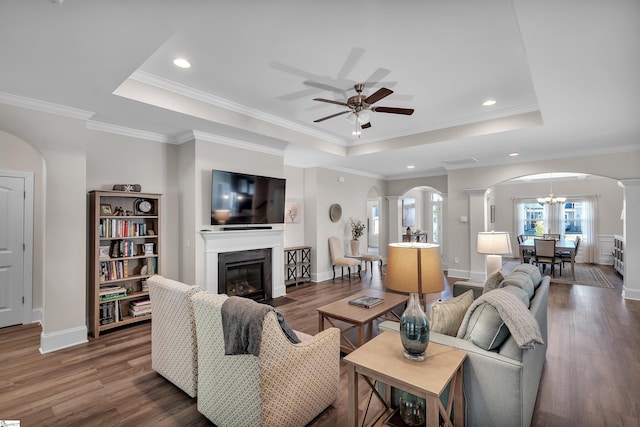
x: 501, y: 385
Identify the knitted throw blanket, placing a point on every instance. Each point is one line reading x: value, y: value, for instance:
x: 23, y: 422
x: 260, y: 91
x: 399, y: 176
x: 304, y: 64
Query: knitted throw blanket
x: 522, y: 324
x: 242, y: 325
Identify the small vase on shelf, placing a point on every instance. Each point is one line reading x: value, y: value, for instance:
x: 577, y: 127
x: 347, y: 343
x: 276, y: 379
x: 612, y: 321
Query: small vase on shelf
x: 412, y: 409
x: 355, y: 247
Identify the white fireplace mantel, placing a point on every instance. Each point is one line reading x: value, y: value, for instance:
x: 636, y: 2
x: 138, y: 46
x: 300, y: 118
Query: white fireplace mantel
x: 219, y: 241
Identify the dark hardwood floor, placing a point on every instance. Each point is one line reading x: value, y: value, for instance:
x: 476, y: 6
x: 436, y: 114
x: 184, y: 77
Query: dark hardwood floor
x: 591, y: 376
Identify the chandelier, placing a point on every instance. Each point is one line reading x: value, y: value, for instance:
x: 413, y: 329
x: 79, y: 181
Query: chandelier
x: 551, y: 199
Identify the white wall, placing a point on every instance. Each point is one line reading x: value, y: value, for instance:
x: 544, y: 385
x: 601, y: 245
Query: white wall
x: 211, y: 155
x: 609, y: 194
x: 294, y: 232
x: 615, y: 166
x: 61, y: 143
x: 324, y: 187
x: 115, y: 159
x: 17, y: 155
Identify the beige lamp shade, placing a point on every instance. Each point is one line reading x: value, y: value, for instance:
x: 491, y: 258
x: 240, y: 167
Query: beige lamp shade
x: 414, y: 267
x: 494, y: 243
x: 222, y: 215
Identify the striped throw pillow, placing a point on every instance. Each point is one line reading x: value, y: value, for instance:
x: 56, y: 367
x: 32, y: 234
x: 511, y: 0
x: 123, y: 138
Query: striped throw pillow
x: 445, y: 317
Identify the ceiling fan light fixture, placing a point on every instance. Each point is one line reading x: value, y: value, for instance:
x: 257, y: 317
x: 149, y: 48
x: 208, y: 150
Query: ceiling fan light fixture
x: 363, y: 117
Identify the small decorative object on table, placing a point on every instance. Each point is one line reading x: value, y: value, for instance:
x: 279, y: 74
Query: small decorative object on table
x: 412, y: 409
x: 104, y: 252
x: 366, y: 301
x: 136, y: 188
x: 148, y: 248
x: 357, y: 231
x: 105, y: 209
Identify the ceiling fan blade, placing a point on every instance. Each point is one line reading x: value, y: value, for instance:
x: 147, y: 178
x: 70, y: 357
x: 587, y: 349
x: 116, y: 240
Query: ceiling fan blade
x: 366, y: 125
x: 378, y: 95
x: 300, y: 94
x: 353, y: 58
x: 331, y: 101
x: 393, y: 110
x: 324, y: 86
x: 376, y: 76
x: 331, y: 116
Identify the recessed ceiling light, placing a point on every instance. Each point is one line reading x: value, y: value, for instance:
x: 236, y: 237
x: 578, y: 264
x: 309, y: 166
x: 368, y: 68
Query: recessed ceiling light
x: 181, y: 62
x: 411, y: 167
x: 514, y: 154
x: 489, y: 102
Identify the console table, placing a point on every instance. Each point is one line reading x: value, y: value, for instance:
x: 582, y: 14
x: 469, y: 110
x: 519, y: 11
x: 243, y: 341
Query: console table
x: 415, y: 237
x: 297, y: 265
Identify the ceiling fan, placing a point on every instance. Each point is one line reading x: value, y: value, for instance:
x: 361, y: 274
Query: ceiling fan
x: 360, y: 104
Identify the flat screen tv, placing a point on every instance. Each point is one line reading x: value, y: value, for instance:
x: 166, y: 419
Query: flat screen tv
x: 238, y: 198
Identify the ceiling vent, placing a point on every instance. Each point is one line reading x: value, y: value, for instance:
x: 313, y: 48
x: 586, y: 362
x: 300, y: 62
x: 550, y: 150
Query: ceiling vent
x: 459, y: 162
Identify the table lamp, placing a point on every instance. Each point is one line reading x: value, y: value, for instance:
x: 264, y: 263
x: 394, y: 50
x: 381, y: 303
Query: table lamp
x: 414, y: 268
x: 494, y: 244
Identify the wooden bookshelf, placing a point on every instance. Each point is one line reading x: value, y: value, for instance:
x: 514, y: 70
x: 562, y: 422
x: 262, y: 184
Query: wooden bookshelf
x: 124, y: 250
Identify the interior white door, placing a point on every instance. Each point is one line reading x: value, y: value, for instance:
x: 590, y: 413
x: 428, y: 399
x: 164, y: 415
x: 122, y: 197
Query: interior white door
x: 12, y: 200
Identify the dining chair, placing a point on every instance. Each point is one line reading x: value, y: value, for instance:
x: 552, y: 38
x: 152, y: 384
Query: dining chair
x: 338, y: 259
x: 546, y: 254
x: 527, y: 254
x: 565, y: 256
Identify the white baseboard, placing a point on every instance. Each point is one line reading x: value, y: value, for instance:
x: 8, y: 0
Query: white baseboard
x: 62, y: 339
x: 36, y: 315
x: 631, y: 294
x: 460, y: 274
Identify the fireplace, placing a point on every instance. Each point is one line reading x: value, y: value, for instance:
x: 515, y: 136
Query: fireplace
x: 245, y: 273
x: 217, y: 242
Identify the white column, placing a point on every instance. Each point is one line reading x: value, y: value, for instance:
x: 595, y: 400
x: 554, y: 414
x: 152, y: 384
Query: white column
x: 477, y: 223
x: 395, y: 218
x: 631, y: 283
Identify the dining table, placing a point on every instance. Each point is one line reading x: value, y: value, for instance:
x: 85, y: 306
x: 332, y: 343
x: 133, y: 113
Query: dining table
x: 562, y: 245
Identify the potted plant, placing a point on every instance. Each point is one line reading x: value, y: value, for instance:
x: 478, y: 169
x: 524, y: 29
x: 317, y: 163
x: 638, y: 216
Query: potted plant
x: 357, y: 231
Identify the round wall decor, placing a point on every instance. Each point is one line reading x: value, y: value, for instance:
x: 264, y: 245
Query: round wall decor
x: 335, y: 212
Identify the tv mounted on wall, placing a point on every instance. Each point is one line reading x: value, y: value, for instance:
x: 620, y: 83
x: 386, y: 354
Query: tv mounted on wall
x: 238, y: 198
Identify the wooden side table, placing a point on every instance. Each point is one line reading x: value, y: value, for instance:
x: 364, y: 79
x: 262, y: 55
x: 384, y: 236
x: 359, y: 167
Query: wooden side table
x: 382, y: 359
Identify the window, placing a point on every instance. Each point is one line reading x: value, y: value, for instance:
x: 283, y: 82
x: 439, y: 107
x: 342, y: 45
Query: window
x: 573, y: 219
x: 533, y: 219
x: 436, y: 206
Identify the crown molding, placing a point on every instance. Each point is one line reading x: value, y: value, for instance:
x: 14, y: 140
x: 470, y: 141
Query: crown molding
x: 219, y: 139
x: 134, y: 133
x: 44, y: 106
x: 208, y: 98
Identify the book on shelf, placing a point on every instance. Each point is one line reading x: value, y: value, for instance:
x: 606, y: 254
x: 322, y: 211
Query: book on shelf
x: 366, y: 301
x: 107, y: 293
x: 141, y: 303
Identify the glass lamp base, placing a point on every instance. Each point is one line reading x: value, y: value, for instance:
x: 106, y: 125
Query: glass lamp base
x: 415, y: 357
x: 414, y: 330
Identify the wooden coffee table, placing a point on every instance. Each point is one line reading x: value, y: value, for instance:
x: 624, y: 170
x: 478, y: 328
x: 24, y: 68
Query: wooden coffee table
x: 359, y: 317
x: 382, y: 359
